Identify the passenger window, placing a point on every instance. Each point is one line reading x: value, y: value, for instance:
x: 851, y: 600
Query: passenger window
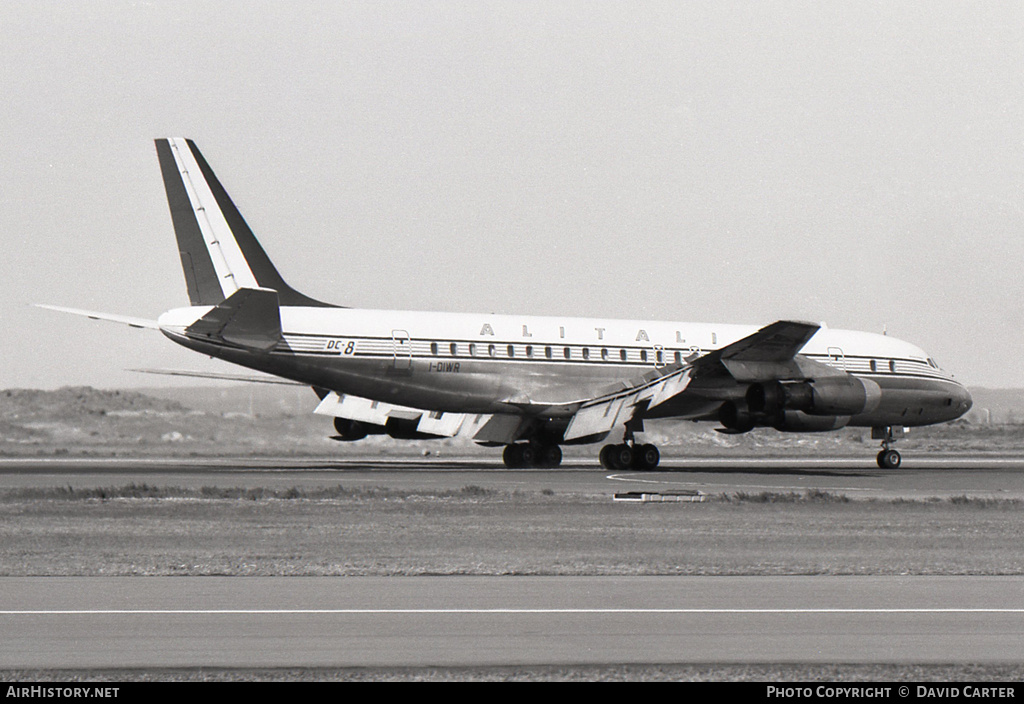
x: 454, y: 349
x: 433, y: 348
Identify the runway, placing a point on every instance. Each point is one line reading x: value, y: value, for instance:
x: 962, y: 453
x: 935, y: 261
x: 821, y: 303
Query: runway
x: 241, y: 622
x: 477, y: 621
x: 943, y: 476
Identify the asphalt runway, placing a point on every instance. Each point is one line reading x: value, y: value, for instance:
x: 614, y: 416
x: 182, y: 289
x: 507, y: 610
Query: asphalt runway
x: 242, y: 622
x: 942, y: 476
x: 464, y: 621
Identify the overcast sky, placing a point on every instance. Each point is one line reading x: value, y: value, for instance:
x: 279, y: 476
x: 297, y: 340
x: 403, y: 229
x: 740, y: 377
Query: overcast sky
x: 857, y: 163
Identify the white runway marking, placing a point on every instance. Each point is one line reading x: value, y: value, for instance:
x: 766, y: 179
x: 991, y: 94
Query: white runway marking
x: 207, y: 612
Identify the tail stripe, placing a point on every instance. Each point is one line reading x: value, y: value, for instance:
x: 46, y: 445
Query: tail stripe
x: 232, y: 269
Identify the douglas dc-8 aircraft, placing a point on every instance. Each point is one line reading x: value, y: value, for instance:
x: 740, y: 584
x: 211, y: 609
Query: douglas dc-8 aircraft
x: 530, y: 384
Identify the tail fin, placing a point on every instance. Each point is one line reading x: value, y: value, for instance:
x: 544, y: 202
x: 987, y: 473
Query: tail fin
x: 219, y: 253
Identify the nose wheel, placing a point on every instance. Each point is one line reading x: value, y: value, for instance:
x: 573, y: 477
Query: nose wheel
x: 888, y: 458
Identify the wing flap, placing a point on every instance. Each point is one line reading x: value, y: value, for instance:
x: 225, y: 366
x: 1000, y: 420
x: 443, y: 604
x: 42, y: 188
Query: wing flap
x: 603, y: 413
x: 481, y: 427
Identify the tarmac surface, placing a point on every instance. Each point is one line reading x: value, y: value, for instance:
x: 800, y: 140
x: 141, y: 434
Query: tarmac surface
x: 70, y: 622
x: 246, y: 622
x: 941, y: 476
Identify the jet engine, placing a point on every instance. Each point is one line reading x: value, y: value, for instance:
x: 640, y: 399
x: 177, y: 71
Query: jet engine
x: 799, y: 422
x: 735, y: 417
x: 829, y: 396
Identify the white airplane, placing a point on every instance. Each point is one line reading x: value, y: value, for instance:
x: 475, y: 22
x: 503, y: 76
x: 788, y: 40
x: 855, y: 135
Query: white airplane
x: 530, y: 384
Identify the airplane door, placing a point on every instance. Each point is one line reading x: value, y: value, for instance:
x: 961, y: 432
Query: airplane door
x: 659, y: 356
x: 402, y: 347
x: 836, y: 357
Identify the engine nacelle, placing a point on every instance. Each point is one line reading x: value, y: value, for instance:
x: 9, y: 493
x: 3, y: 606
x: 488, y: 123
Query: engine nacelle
x: 735, y: 417
x: 829, y: 396
x: 799, y: 422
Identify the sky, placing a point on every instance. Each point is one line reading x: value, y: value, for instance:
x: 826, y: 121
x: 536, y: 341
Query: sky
x: 856, y: 163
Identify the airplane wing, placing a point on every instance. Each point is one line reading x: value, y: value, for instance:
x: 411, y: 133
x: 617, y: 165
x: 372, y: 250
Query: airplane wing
x: 768, y: 354
x: 124, y: 319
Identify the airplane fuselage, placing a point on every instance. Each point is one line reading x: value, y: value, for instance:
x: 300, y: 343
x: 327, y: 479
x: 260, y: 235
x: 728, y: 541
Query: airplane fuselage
x: 483, y: 363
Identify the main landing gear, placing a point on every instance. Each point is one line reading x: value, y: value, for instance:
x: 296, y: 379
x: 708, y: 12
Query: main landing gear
x: 524, y: 455
x: 630, y: 456
x: 888, y: 458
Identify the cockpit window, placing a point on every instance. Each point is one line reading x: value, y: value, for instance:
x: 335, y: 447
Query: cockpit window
x: 932, y: 363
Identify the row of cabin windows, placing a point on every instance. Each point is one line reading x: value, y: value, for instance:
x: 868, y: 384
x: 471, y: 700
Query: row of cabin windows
x: 892, y: 366
x: 550, y: 353
x: 606, y: 355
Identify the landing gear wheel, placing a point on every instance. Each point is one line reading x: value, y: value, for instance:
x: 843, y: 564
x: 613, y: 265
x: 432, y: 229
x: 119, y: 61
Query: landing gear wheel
x: 889, y: 459
x: 518, y: 456
x: 549, y: 456
x: 616, y: 456
x: 646, y: 457
x: 622, y: 456
x: 512, y: 456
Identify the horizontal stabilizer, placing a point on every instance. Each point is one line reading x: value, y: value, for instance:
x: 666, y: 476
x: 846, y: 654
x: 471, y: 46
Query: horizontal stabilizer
x: 248, y: 378
x: 124, y: 319
x: 249, y: 317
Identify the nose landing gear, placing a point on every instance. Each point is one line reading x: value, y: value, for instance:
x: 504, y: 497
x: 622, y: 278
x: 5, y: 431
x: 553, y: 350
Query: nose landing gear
x: 888, y: 458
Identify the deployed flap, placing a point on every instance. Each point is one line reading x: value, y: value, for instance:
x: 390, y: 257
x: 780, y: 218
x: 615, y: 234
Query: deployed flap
x: 601, y: 414
x: 249, y: 317
x: 378, y: 413
x: 356, y: 408
x: 767, y: 354
x: 501, y: 428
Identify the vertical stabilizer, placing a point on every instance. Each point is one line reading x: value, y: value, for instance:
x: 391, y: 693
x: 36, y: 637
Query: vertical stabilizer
x: 219, y: 253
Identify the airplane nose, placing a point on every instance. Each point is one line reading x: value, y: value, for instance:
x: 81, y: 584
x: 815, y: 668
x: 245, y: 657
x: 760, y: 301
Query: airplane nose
x: 964, y: 399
